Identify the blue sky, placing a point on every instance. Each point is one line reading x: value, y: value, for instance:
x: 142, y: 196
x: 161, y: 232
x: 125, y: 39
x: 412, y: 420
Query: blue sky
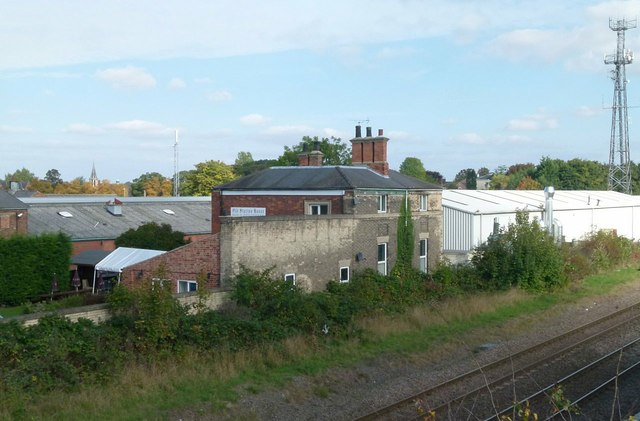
x: 457, y: 84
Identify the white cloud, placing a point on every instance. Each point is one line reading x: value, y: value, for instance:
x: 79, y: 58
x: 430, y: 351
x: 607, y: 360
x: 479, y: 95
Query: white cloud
x: 176, y: 83
x: 389, y: 53
x: 254, y: 120
x: 469, y: 139
x: 291, y: 129
x: 586, y: 111
x: 533, y: 122
x: 141, y: 128
x: 127, y: 77
x: 220, y: 96
x: 329, y: 132
x: 83, y: 129
x: 15, y: 130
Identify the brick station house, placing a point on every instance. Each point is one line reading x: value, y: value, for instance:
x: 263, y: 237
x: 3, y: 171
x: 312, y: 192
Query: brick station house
x: 311, y: 223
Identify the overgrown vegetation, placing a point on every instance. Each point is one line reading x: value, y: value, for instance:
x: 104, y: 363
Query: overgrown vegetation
x: 150, y: 329
x: 28, y: 265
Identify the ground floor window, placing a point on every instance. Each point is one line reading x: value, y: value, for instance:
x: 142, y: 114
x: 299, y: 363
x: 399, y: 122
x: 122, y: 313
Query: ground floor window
x: 290, y: 277
x: 382, y: 258
x: 344, y: 274
x: 423, y: 256
x: 187, y: 286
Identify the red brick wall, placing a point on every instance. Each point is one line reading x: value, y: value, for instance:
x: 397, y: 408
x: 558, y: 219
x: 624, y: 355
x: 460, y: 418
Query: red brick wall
x: 183, y: 263
x: 10, y: 224
x: 80, y: 246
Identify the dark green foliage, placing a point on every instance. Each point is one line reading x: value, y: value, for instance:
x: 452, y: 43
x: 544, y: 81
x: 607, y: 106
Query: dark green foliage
x: 524, y: 255
x: 336, y: 152
x: 55, y: 353
x: 404, y: 261
x: 27, y: 265
x: 152, y: 236
x: 151, y: 312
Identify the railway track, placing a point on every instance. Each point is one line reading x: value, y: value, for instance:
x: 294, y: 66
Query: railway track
x: 476, y: 394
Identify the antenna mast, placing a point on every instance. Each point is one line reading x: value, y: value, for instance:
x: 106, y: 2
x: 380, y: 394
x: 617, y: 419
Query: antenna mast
x: 619, y: 169
x: 176, y: 171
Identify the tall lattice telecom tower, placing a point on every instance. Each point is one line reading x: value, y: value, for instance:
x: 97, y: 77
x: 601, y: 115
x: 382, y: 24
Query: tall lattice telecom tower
x: 619, y: 163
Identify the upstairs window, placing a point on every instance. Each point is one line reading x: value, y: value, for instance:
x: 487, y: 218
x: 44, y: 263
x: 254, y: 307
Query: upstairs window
x: 382, y: 203
x: 318, y: 209
x: 424, y: 202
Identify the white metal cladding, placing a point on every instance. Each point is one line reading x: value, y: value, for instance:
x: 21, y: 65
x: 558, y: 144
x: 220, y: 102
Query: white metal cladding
x: 458, y: 230
x: 469, y: 214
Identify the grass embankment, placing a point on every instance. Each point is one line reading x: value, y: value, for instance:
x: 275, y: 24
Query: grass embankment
x: 200, y: 384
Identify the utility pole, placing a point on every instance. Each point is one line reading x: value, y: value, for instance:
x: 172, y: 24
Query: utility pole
x: 176, y: 170
x: 619, y: 162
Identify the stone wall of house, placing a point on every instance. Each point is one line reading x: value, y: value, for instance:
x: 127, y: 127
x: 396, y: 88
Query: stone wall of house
x: 184, y: 263
x: 314, y: 248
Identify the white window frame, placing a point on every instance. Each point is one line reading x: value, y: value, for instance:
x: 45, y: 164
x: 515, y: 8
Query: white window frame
x: 423, y: 250
x: 347, y: 278
x: 383, y: 264
x: 290, y: 277
x: 424, y: 202
x: 188, y: 285
x: 318, y: 205
x: 383, y: 203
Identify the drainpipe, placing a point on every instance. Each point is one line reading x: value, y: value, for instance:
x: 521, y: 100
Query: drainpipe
x: 548, y: 209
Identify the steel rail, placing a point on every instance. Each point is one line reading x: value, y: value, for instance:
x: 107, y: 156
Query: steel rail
x: 380, y: 412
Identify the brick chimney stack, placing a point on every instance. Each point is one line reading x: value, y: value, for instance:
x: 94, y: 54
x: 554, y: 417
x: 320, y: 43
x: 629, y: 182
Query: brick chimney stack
x: 311, y: 159
x: 370, y: 150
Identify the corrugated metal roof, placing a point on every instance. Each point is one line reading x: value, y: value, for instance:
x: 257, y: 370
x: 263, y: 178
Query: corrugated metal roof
x: 125, y: 256
x: 501, y: 201
x: 325, y: 178
x: 90, y: 219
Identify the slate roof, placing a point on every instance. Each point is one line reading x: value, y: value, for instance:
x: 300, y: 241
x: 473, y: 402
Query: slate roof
x: 89, y: 257
x: 9, y: 202
x: 326, y: 178
x: 90, y: 219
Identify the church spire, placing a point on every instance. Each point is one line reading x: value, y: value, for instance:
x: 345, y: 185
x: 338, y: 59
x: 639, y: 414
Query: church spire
x: 94, y: 178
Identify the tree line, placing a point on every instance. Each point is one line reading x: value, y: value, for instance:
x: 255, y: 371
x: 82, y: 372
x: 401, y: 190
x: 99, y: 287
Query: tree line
x: 575, y: 174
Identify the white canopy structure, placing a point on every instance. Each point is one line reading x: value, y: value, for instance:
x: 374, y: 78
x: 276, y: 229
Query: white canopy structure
x: 121, y: 258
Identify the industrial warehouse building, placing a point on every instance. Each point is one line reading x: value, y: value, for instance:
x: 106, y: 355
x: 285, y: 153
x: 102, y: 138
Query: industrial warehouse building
x: 471, y: 216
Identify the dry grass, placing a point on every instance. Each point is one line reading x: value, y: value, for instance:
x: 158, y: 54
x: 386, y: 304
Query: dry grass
x: 452, y: 310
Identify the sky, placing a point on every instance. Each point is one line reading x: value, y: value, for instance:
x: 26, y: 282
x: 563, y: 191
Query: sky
x: 456, y: 83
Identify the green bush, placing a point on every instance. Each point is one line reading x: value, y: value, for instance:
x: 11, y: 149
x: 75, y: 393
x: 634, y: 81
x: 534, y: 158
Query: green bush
x: 149, y: 313
x: 524, y: 255
x: 27, y: 265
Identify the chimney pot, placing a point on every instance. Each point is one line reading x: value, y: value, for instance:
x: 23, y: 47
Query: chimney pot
x: 380, y: 132
x: 316, y: 145
x: 358, y: 131
x: 368, y: 131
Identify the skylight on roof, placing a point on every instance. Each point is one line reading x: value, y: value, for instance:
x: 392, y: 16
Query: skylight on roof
x: 65, y: 214
x: 168, y: 211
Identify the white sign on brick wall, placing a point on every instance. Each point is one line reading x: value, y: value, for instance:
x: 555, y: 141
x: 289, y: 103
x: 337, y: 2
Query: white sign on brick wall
x: 248, y: 211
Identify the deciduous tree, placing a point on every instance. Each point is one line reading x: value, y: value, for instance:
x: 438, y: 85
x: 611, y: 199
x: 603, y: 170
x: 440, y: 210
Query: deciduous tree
x: 413, y: 167
x: 205, y: 177
x: 335, y: 151
x: 152, y: 236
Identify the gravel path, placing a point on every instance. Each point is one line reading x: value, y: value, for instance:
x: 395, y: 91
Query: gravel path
x: 346, y: 393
